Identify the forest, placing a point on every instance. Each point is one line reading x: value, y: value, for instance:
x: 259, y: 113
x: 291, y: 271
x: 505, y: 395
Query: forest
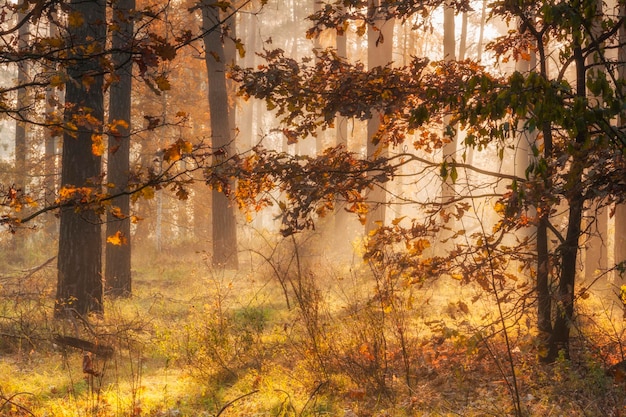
x: 312, y: 208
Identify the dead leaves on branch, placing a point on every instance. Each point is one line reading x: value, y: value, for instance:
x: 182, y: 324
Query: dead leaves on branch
x: 308, y: 96
x: 309, y: 187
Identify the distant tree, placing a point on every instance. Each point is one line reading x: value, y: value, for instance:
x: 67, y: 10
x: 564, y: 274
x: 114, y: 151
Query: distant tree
x: 223, y: 215
x: 51, y: 157
x: 379, y: 55
x: 80, y: 286
x: 22, y: 104
x: 21, y: 143
x: 450, y: 128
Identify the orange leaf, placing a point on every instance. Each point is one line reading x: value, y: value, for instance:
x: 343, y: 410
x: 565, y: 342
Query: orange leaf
x: 97, y: 144
x: 117, y: 239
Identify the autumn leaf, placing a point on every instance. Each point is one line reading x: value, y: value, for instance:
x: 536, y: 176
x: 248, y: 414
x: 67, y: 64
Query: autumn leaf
x: 153, y: 122
x: 75, y: 19
x: 397, y: 220
x: 223, y: 5
x: 172, y: 154
x: 166, y: 51
x: 117, y: 213
x: 117, y: 239
x: 147, y: 193
x: 240, y: 48
x: 176, y: 151
x: 118, y: 123
x: 97, y: 144
x: 162, y: 83
x: 57, y: 80
x: 87, y: 81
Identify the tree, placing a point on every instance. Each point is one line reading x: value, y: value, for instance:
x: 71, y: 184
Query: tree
x: 379, y: 55
x: 223, y: 216
x: 80, y: 287
x: 118, y: 254
x: 21, y: 142
x: 450, y: 129
x: 577, y: 151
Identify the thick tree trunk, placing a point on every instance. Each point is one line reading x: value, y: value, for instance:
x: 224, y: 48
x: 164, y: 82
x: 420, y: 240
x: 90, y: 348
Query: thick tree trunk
x: 223, y: 218
x: 79, y: 287
x: 118, y: 257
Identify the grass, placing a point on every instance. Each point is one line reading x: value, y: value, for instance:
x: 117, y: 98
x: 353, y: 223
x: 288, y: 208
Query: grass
x: 196, y: 342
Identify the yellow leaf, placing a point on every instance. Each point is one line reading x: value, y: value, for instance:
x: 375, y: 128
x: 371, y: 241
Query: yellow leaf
x: 117, y: 239
x: 163, y: 83
x: 420, y: 245
x: 186, y: 146
x: 172, y: 154
x: 119, y: 123
x: 57, y: 80
x: 499, y: 207
x: 97, y: 144
x: 360, y: 30
x: 397, y: 220
x: 75, y: 19
x: 240, y: 49
x: 117, y: 213
x: 148, y: 193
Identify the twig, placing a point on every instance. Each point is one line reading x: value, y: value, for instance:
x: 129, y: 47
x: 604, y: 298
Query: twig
x: 31, y: 271
x: 313, y: 394
x: 228, y: 404
x: 9, y: 400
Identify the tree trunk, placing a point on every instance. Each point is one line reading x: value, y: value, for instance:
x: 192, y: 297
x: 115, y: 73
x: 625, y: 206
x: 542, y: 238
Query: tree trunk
x: 118, y: 257
x: 619, y: 252
x: 559, y: 341
x: 544, y: 296
x: 22, y: 108
x: 223, y: 218
x: 463, y: 40
x: 51, y: 153
x: 19, y: 239
x: 379, y: 53
x: 343, y: 234
x: 448, y: 191
x: 79, y: 285
x: 595, y: 250
x: 481, y: 35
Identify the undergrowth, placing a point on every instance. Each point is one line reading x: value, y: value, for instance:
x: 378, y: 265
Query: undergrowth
x: 297, y: 338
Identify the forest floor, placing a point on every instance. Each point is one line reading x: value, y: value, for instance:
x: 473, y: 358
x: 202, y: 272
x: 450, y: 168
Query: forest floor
x: 270, y: 342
